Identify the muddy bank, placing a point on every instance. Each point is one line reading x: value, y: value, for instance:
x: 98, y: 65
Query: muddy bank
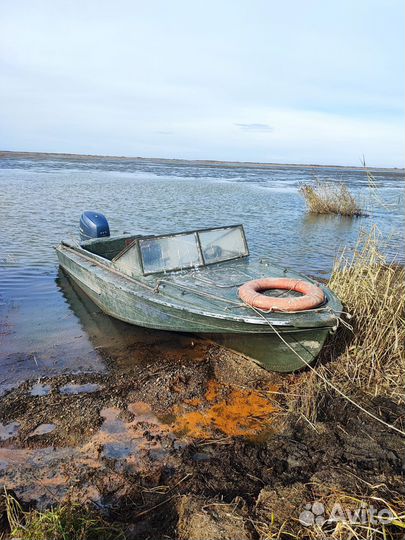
x: 196, y: 444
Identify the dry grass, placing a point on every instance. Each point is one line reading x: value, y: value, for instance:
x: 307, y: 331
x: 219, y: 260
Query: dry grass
x: 372, y: 290
x: 345, y: 517
x: 323, y: 197
x: 371, y: 357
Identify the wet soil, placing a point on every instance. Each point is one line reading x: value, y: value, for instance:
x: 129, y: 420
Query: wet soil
x: 194, y: 444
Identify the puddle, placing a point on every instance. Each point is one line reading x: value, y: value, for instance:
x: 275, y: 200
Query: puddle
x: 137, y: 444
x: 13, y: 456
x: 130, y: 440
x: 42, y: 429
x: 107, y: 442
x: 79, y: 388
x: 39, y: 389
x: 108, y: 446
x: 7, y: 431
x: 7, y: 387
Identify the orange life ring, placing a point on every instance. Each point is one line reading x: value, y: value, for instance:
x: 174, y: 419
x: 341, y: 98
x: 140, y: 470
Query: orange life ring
x: 250, y: 293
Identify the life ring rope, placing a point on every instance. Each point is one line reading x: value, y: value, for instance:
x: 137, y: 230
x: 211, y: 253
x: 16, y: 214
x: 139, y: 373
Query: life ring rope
x: 251, y: 293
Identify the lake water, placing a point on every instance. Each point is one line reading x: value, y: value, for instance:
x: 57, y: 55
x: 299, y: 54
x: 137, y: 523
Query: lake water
x: 47, y: 326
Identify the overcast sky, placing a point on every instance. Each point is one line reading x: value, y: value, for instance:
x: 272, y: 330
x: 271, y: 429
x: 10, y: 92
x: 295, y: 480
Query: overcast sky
x: 299, y: 81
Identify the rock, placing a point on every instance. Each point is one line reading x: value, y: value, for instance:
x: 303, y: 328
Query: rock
x: 202, y: 519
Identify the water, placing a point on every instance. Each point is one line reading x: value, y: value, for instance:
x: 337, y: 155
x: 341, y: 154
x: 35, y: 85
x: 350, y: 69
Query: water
x: 47, y: 326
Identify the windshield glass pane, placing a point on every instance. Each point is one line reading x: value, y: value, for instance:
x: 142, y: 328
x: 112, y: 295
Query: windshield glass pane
x: 170, y: 253
x: 222, y: 244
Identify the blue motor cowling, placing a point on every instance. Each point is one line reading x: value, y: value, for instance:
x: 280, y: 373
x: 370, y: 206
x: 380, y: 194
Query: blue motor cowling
x: 93, y: 225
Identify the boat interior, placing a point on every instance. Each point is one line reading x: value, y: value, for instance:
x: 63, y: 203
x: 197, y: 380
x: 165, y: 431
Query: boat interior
x: 110, y: 247
x: 163, y: 257
x: 137, y: 254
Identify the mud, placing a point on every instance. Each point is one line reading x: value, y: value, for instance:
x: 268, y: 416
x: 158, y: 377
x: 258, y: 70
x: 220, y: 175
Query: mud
x: 195, y: 444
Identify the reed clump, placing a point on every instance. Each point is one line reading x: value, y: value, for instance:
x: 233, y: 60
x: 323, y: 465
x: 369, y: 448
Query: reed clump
x: 370, y: 356
x: 372, y: 289
x: 69, y: 521
x: 324, y: 197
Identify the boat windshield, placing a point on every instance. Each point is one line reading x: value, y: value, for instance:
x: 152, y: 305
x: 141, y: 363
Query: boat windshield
x: 188, y: 250
x: 219, y: 245
x: 169, y: 253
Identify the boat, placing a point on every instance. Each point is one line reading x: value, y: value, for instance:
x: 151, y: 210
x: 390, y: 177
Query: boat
x: 204, y: 282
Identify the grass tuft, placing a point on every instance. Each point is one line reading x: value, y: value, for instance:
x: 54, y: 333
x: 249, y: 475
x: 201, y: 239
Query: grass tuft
x: 71, y: 521
x: 323, y: 197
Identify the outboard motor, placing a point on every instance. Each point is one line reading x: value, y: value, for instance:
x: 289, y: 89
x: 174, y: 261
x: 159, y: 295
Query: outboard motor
x: 93, y: 225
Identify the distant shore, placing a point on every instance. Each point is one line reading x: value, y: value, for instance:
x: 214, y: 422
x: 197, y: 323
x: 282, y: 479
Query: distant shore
x: 185, y: 162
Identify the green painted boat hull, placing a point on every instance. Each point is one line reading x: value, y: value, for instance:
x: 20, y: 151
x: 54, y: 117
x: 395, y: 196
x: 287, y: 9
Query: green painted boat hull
x: 273, y: 354
x: 141, y: 305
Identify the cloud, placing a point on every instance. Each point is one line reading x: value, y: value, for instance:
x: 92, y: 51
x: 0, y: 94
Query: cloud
x: 256, y: 128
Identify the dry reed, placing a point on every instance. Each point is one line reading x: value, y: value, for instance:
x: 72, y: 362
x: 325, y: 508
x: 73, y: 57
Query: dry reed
x: 324, y: 197
x: 371, y: 357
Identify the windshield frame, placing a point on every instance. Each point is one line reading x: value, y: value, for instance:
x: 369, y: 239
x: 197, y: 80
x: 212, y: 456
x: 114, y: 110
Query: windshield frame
x: 200, y: 251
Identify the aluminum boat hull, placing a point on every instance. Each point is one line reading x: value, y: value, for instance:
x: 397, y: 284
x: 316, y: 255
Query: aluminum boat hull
x: 272, y: 341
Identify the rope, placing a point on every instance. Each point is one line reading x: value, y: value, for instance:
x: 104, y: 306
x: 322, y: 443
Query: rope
x: 326, y: 381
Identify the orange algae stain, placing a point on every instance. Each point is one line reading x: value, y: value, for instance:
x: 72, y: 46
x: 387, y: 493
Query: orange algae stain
x: 212, y: 390
x: 242, y: 413
x: 193, y: 402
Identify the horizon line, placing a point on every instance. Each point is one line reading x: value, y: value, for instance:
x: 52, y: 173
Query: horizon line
x: 212, y: 162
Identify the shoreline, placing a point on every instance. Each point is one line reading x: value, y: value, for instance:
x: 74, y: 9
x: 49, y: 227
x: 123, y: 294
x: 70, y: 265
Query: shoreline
x: 10, y: 154
x: 142, y: 455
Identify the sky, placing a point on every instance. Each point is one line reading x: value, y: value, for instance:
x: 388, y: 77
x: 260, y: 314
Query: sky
x: 293, y: 81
